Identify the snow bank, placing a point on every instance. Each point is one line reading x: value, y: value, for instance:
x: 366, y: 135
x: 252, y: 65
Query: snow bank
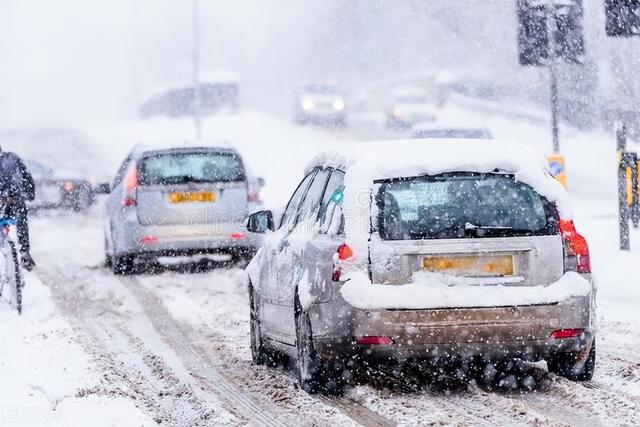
x: 433, y: 290
x: 43, y: 367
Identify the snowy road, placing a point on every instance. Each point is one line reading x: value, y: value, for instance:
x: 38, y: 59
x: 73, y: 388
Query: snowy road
x: 178, y: 345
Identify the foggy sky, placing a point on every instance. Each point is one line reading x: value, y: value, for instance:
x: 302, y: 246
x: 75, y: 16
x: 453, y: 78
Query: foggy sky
x: 73, y: 62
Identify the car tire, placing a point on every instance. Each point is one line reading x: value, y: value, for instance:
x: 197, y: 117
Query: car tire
x: 568, y: 364
x: 123, y: 265
x: 82, y: 201
x: 315, y: 375
x: 108, y: 258
x: 259, y: 352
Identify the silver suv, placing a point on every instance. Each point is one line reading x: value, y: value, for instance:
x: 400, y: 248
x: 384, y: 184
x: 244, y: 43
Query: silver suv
x: 179, y: 204
x: 426, y: 257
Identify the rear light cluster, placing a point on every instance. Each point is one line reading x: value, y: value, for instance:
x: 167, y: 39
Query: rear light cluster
x: 130, y: 192
x: 576, y: 249
x: 344, y: 253
x: 254, y: 197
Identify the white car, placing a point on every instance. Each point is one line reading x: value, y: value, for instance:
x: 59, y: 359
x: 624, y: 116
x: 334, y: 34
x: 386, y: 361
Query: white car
x: 410, y: 105
x: 434, y: 252
x: 320, y: 104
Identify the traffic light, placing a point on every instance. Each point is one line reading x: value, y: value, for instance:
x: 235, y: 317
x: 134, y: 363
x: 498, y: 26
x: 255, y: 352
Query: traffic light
x: 622, y: 18
x: 537, y: 20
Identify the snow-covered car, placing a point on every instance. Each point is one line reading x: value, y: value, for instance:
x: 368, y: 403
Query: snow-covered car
x: 410, y: 105
x: 58, y: 189
x: 432, y: 252
x: 219, y: 91
x: 320, y: 104
x: 179, y: 204
x: 452, y: 131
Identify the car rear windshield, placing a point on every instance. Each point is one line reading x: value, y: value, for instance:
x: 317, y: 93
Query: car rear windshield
x: 192, y: 167
x: 462, y: 205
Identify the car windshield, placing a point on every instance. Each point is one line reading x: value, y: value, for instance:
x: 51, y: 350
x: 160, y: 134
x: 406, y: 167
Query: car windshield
x: 453, y: 133
x: 199, y: 167
x: 462, y: 206
x: 320, y: 90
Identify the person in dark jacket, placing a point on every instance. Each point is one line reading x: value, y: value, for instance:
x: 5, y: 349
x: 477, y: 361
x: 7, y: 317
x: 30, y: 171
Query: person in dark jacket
x: 17, y: 187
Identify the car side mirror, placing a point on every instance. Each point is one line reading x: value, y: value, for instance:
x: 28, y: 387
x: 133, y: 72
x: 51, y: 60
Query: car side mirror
x: 102, y: 188
x: 261, y: 182
x: 260, y: 222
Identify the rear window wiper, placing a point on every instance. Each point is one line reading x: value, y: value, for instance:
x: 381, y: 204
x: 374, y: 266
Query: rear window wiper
x: 470, y: 228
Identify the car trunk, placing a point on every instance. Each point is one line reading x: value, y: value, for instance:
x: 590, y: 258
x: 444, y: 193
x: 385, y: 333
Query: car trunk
x: 192, y: 203
x: 484, y: 229
x: 517, y: 261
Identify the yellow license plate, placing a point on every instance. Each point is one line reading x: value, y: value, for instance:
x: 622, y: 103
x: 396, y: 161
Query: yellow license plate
x: 192, y: 197
x: 482, y: 265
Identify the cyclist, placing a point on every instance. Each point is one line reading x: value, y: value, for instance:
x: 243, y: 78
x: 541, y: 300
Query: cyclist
x: 17, y: 182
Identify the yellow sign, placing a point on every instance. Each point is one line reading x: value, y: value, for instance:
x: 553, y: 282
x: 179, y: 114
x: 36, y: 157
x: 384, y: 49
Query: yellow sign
x: 558, y: 166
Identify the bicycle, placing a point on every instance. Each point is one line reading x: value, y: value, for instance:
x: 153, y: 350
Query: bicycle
x: 11, y: 279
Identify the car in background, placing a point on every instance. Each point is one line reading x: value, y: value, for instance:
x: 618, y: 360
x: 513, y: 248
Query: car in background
x: 443, y: 131
x: 427, y: 257
x: 219, y: 91
x: 179, y: 205
x: 59, y: 190
x: 320, y: 104
x: 410, y: 105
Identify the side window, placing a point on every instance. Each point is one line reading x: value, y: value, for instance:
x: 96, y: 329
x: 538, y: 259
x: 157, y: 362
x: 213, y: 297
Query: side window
x: 120, y: 174
x: 312, y: 200
x: 331, y: 216
x: 292, y: 207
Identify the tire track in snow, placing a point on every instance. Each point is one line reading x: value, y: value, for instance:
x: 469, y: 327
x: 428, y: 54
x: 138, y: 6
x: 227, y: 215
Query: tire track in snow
x: 266, y: 415
x: 167, y: 398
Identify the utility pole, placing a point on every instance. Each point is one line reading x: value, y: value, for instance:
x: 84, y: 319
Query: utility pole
x: 197, y: 96
x: 552, y: 27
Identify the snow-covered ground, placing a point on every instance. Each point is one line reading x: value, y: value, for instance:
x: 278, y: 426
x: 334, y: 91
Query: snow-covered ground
x: 173, y: 348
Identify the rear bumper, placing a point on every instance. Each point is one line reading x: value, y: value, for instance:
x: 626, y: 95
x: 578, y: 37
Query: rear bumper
x: 493, y: 333
x: 187, y: 240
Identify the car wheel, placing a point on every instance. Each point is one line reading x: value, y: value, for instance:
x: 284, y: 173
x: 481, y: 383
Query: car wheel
x: 259, y: 352
x: 315, y: 375
x: 108, y: 259
x: 123, y: 265
x: 82, y: 201
x: 572, y: 365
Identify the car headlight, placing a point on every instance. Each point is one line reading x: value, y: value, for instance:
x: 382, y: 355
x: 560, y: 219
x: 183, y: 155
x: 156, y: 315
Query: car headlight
x: 396, y: 112
x: 307, y: 105
x: 338, y: 105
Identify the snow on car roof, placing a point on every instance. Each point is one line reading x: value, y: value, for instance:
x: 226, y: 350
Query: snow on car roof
x: 143, y: 148
x: 365, y: 163
x: 425, y: 126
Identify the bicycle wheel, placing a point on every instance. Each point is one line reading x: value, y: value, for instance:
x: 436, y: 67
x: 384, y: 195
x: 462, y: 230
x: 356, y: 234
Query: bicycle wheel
x: 17, y: 276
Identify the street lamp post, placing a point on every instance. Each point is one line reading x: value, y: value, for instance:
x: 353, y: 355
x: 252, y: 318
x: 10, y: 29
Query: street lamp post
x: 197, y: 96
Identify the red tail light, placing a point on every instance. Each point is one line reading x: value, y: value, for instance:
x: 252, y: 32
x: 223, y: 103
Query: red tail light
x: 238, y: 236
x: 149, y: 240
x: 567, y: 333
x: 130, y: 196
x: 254, y: 197
x: 343, y: 253
x: 6, y: 230
x: 577, y: 256
x: 371, y: 340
